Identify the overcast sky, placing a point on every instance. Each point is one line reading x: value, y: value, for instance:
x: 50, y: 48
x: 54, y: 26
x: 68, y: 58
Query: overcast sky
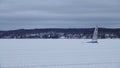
x: 29, y: 14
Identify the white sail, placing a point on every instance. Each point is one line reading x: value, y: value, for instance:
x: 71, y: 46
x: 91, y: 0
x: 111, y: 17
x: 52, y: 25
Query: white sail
x: 95, y: 35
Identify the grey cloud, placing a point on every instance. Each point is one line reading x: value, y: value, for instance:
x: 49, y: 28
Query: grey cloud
x: 59, y: 13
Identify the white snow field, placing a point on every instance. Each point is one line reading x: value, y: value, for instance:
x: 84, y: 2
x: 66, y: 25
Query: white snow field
x: 60, y: 53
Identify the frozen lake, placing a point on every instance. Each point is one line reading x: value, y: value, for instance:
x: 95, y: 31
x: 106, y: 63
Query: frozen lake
x: 61, y: 53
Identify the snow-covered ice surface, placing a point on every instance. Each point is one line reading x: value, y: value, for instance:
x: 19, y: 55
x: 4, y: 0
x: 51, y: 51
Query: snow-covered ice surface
x: 61, y: 53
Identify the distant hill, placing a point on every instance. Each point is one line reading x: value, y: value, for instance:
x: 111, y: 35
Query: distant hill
x: 59, y: 33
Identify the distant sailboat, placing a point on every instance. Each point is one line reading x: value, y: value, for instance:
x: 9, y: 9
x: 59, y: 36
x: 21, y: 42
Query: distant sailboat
x: 95, y: 36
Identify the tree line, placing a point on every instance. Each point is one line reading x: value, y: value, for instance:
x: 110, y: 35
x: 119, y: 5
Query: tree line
x: 56, y: 33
